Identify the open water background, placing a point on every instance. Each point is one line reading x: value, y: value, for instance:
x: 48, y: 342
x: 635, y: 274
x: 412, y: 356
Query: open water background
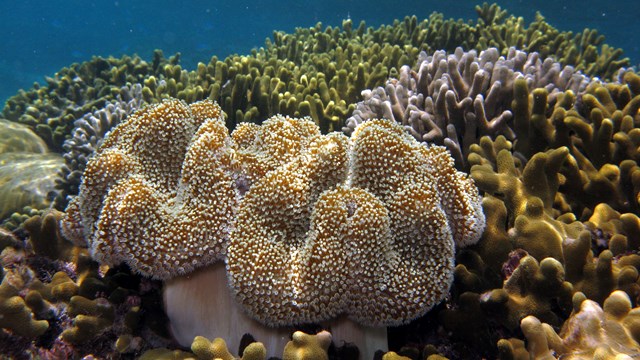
x: 40, y: 37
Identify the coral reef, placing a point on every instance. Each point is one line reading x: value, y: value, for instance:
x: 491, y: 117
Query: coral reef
x: 315, y: 227
x: 56, y: 303
x: 317, y: 72
x: 51, y: 110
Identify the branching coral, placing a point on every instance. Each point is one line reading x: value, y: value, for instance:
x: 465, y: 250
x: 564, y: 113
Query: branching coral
x: 51, y: 110
x: 317, y: 72
x: 585, y: 50
x: 87, y: 135
x: 454, y: 99
x: 592, y: 331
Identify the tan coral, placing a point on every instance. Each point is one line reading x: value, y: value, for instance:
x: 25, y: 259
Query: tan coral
x: 305, y: 346
x: 386, y: 225
x: 161, y: 181
x: 309, y: 218
x: 592, y: 332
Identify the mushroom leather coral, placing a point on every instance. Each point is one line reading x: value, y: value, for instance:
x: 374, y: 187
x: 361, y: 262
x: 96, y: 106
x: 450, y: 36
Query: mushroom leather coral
x: 312, y: 226
x: 362, y: 226
x: 144, y: 198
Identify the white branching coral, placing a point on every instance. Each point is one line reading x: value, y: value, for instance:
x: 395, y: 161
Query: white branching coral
x: 454, y: 99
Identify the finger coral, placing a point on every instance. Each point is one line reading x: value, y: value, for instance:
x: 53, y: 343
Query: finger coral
x: 593, y: 331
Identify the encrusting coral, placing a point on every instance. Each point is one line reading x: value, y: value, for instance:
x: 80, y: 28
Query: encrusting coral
x: 285, y: 183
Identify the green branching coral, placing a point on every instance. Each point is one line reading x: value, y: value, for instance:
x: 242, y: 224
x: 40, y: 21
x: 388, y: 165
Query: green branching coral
x: 51, y: 110
x: 316, y: 71
x: 586, y: 50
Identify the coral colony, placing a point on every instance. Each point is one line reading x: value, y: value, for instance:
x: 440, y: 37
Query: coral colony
x: 427, y: 189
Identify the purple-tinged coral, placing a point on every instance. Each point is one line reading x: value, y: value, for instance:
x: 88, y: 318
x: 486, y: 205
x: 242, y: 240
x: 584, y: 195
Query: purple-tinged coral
x: 88, y: 133
x: 455, y: 99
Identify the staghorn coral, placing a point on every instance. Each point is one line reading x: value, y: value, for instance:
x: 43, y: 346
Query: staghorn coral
x: 301, y: 346
x: 65, y: 303
x: 454, y: 99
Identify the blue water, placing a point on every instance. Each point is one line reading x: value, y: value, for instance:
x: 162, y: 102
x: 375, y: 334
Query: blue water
x: 40, y: 37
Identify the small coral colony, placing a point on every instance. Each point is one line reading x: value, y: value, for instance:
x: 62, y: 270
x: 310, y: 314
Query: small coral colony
x: 426, y: 189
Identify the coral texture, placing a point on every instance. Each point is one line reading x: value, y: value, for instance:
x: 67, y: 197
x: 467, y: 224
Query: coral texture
x: 364, y: 227
x: 87, y: 135
x: 168, y: 185
x: 592, y: 332
x: 159, y: 194
x: 26, y: 167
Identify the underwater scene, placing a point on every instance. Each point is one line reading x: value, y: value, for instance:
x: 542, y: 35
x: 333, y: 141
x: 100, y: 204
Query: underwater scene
x: 320, y: 180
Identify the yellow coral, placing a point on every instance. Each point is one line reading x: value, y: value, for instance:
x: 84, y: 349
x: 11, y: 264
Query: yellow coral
x: 380, y: 210
x: 217, y: 349
x: 592, y: 332
x: 160, y: 182
x: 304, y: 346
